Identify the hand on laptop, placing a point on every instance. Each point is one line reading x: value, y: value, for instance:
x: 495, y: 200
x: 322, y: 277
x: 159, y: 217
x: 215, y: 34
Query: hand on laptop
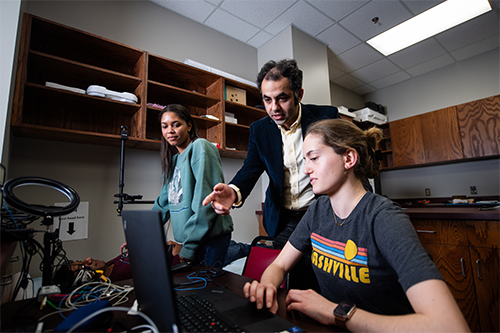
x: 312, y: 304
x: 260, y: 293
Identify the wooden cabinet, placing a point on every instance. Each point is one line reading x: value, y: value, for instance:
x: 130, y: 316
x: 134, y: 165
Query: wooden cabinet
x: 466, y: 253
x: 427, y: 138
x: 480, y: 127
x: 51, y: 52
x: 407, y: 143
x: 484, y: 244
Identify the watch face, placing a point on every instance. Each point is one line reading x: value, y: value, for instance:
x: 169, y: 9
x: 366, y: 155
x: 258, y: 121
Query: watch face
x: 344, y: 310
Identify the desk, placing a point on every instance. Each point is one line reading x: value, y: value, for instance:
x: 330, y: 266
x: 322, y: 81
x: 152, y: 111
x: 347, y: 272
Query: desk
x: 27, y: 312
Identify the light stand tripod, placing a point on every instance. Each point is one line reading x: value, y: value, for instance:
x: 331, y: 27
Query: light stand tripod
x: 124, y: 198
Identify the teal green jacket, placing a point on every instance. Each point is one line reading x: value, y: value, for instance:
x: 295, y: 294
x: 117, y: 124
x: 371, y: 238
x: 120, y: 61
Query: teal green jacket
x: 196, y: 171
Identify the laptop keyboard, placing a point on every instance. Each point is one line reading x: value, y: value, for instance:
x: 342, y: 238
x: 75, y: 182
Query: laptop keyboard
x: 199, y: 315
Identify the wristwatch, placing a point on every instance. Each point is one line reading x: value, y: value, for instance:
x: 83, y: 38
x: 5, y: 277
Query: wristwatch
x: 344, y: 311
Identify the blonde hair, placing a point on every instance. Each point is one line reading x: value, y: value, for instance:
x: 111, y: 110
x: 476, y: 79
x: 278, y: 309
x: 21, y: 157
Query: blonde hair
x: 342, y: 135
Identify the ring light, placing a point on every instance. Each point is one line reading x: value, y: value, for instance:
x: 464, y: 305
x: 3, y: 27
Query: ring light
x: 40, y: 210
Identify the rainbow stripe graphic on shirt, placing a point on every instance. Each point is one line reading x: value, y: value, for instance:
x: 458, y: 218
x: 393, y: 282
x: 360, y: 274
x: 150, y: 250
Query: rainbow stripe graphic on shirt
x: 344, y: 260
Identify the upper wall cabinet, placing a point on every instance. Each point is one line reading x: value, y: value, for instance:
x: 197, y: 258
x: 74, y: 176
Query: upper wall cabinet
x: 427, y: 138
x: 480, y: 127
x: 57, y: 64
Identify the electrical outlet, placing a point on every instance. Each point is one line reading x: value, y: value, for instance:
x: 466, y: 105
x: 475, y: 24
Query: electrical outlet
x: 428, y: 192
x: 473, y: 190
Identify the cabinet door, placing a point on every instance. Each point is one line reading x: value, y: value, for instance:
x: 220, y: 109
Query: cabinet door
x: 441, y: 135
x: 486, y: 279
x: 454, y: 264
x: 484, y: 241
x: 479, y: 123
x: 407, y: 143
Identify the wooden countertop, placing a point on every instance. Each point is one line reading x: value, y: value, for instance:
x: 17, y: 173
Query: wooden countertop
x: 453, y: 213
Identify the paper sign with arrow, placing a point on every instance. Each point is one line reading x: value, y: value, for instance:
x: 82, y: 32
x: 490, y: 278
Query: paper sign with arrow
x: 74, y: 225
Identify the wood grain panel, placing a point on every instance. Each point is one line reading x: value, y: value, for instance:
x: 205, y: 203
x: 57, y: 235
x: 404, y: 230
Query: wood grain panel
x: 407, y: 143
x: 454, y: 264
x: 440, y: 232
x: 479, y: 123
x: 484, y: 233
x: 486, y: 279
x: 441, y: 135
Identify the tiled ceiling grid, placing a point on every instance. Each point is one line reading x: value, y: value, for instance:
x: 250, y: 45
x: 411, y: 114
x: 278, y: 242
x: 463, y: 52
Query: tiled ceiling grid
x: 345, y: 26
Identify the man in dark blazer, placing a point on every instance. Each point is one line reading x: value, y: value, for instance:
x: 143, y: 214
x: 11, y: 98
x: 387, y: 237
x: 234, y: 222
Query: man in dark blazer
x: 265, y: 153
x: 275, y: 147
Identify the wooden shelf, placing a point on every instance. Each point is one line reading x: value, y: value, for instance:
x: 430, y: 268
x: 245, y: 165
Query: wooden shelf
x: 51, y: 52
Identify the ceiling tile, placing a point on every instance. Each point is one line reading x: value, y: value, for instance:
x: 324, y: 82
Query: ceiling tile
x: 196, y: 10
x: 334, y: 73
x: 251, y: 10
x: 482, y: 46
x: 303, y: 16
x: 364, y: 89
x: 468, y: 32
x: 337, y: 9
x: 430, y: 65
x: 375, y: 71
x: 348, y: 82
x: 338, y: 39
x: 417, y: 53
x: 390, y: 80
x: 357, y: 57
x: 214, y: 2
x: 260, y: 39
x: 390, y: 13
x: 420, y: 6
x: 231, y: 25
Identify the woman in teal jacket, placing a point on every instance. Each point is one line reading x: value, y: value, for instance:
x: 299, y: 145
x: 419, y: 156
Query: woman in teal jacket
x: 191, y: 166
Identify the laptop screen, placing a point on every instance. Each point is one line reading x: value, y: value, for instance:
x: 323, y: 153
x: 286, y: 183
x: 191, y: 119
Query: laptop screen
x: 147, y: 249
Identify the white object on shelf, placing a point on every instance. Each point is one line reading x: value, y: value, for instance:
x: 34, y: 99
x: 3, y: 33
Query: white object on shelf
x: 343, y: 110
x: 219, y: 72
x: 231, y: 120
x: 209, y: 116
x: 101, y: 91
x: 368, y: 115
x: 60, y: 86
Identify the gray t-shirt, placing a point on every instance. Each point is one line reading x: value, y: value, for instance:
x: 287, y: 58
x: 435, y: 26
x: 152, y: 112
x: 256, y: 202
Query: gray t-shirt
x: 371, y: 260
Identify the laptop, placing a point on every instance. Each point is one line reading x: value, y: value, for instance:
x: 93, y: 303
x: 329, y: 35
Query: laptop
x: 153, y: 284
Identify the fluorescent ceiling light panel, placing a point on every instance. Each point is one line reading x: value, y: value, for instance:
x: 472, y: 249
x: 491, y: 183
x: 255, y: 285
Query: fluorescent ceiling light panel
x: 427, y: 24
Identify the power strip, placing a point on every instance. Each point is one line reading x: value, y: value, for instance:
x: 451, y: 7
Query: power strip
x: 47, y: 291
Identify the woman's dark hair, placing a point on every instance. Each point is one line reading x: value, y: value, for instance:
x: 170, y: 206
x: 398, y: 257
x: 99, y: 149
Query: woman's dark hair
x: 342, y: 135
x: 167, y: 150
x: 274, y: 71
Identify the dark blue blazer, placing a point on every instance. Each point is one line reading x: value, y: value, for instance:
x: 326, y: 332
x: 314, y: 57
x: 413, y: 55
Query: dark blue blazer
x: 265, y: 154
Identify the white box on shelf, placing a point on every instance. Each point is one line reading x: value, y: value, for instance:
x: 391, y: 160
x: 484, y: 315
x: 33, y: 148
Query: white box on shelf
x: 345, y: 111
x: 231, y: 120
x: 368, y: 115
